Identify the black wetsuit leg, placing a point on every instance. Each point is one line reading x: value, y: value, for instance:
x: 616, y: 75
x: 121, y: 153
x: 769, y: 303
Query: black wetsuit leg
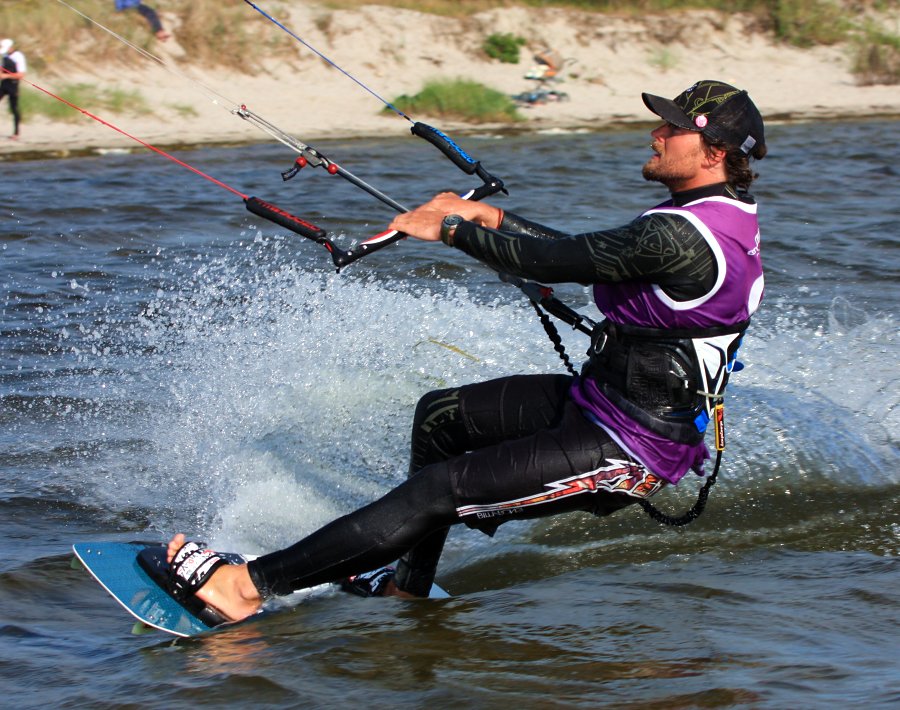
x: 368, y: 538
x: 554, y: 442
x: 10, y: 88
x: 444, y: 426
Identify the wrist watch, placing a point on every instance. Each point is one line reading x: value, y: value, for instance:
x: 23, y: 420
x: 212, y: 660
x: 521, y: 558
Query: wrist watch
x: 448, y: 227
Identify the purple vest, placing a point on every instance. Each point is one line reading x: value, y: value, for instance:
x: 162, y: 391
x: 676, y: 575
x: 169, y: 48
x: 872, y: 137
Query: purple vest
x: 731, y: 229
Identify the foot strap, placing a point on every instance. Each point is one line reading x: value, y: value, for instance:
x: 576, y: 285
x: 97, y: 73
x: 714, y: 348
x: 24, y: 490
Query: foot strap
x: 152, y: 560
x: 191, y: 568
x: 369, y: 584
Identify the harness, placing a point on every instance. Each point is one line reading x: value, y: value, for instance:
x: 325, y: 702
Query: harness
x: 672, y: 381
x: 668, y: 380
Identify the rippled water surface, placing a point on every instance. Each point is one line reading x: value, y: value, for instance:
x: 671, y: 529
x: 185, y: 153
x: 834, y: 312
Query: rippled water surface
x: 170, y: 362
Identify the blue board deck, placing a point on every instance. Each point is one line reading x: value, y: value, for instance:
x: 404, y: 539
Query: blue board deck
x: 115, y: 566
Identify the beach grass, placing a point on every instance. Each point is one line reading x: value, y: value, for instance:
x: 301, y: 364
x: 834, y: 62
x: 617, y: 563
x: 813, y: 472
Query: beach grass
x: 217, y: 34
x: 213, y: 33
x: 504, y: 46
x: 116, y: 101
x: 51, y: 34
x: 803, y: 22
x: 876, y: 56
x: 460, y: 99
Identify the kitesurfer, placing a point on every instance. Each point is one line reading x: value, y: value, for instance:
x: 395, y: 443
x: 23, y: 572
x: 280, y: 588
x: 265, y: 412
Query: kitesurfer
x: 677, y: 286
x: 14, y: 68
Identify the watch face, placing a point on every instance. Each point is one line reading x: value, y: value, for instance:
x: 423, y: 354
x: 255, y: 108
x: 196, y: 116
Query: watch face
x: 448, y: 227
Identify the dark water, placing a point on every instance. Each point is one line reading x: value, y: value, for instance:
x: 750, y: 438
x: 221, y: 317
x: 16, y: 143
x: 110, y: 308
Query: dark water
x: 169, y: 362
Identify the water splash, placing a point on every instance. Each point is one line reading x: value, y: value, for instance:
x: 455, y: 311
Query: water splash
x: 283, y: 398
x: 823, y: 396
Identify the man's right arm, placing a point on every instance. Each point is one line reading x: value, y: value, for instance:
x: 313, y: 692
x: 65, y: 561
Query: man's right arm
x: 661, y: 248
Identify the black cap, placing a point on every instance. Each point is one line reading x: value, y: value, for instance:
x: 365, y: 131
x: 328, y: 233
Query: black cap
x: 718, y: 111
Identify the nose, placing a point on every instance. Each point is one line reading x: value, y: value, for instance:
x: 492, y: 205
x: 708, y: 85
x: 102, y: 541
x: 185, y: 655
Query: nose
x: 659, y: 131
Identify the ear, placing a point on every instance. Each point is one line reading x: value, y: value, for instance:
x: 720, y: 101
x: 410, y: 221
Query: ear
x: 715, y: 157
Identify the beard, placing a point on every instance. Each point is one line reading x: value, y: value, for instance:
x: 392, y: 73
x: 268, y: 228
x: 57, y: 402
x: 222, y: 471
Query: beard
x: 671, y: 171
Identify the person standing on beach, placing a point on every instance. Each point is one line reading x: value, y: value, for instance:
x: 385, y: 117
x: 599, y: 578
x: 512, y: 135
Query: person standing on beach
x: 677, y: 285
x: 148, y: 13
x: 14, y: 68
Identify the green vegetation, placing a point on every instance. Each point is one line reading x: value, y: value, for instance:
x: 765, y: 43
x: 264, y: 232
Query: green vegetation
x: 50, y: 34
x: 504, y: 47
x: 184, y: 110
x: 663, y: 59
x: 100, y: 100
x: 805, y: 23
x: 876, y: 56
x: 802, y: 23
x: 460, y: 99
x: 212, y: 33
x: 226, y: 34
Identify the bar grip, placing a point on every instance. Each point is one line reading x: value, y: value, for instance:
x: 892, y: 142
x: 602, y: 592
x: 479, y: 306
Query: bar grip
x: 275, y: 214
x: 445, y: 144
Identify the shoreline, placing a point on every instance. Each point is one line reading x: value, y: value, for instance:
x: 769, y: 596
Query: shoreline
x: 22, y: 151
x: 82, y: 146
x: 609, y: 61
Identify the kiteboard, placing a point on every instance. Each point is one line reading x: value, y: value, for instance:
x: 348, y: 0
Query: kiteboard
x: 133, y: 573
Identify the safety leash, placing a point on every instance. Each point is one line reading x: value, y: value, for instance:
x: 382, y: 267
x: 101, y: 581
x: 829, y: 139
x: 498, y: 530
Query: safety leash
x: 695, y: 511
x: 544, y: 301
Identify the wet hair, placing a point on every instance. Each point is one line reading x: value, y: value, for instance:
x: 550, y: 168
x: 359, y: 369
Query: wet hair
x: 737, y: 163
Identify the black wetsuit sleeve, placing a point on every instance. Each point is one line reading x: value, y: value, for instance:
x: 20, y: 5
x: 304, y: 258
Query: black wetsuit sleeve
x: 514, y: 224
x: 661, y: 248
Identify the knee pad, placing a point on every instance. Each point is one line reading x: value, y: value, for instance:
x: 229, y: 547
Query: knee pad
x: 438, y: 431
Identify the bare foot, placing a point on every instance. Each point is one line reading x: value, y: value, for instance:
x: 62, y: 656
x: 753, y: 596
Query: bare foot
x: 229, y: 589
x: 392, y: 590
x: 162, y: 35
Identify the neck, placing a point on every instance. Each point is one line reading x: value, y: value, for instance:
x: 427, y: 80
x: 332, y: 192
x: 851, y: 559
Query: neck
x: 718, y: 189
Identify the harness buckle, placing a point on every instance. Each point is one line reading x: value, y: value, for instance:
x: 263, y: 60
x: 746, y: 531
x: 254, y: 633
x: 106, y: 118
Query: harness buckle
x: 599, y: 344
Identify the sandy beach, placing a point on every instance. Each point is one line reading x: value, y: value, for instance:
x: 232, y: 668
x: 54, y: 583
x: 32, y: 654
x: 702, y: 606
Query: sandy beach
x: 609, y: 61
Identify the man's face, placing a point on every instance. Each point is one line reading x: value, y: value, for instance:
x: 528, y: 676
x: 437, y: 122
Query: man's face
x: 679, y: 157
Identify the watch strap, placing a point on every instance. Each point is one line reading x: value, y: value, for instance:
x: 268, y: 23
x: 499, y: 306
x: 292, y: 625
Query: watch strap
x: 448, y: 228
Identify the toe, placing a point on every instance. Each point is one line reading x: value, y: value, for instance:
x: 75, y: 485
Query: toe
x: 175, y: 544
